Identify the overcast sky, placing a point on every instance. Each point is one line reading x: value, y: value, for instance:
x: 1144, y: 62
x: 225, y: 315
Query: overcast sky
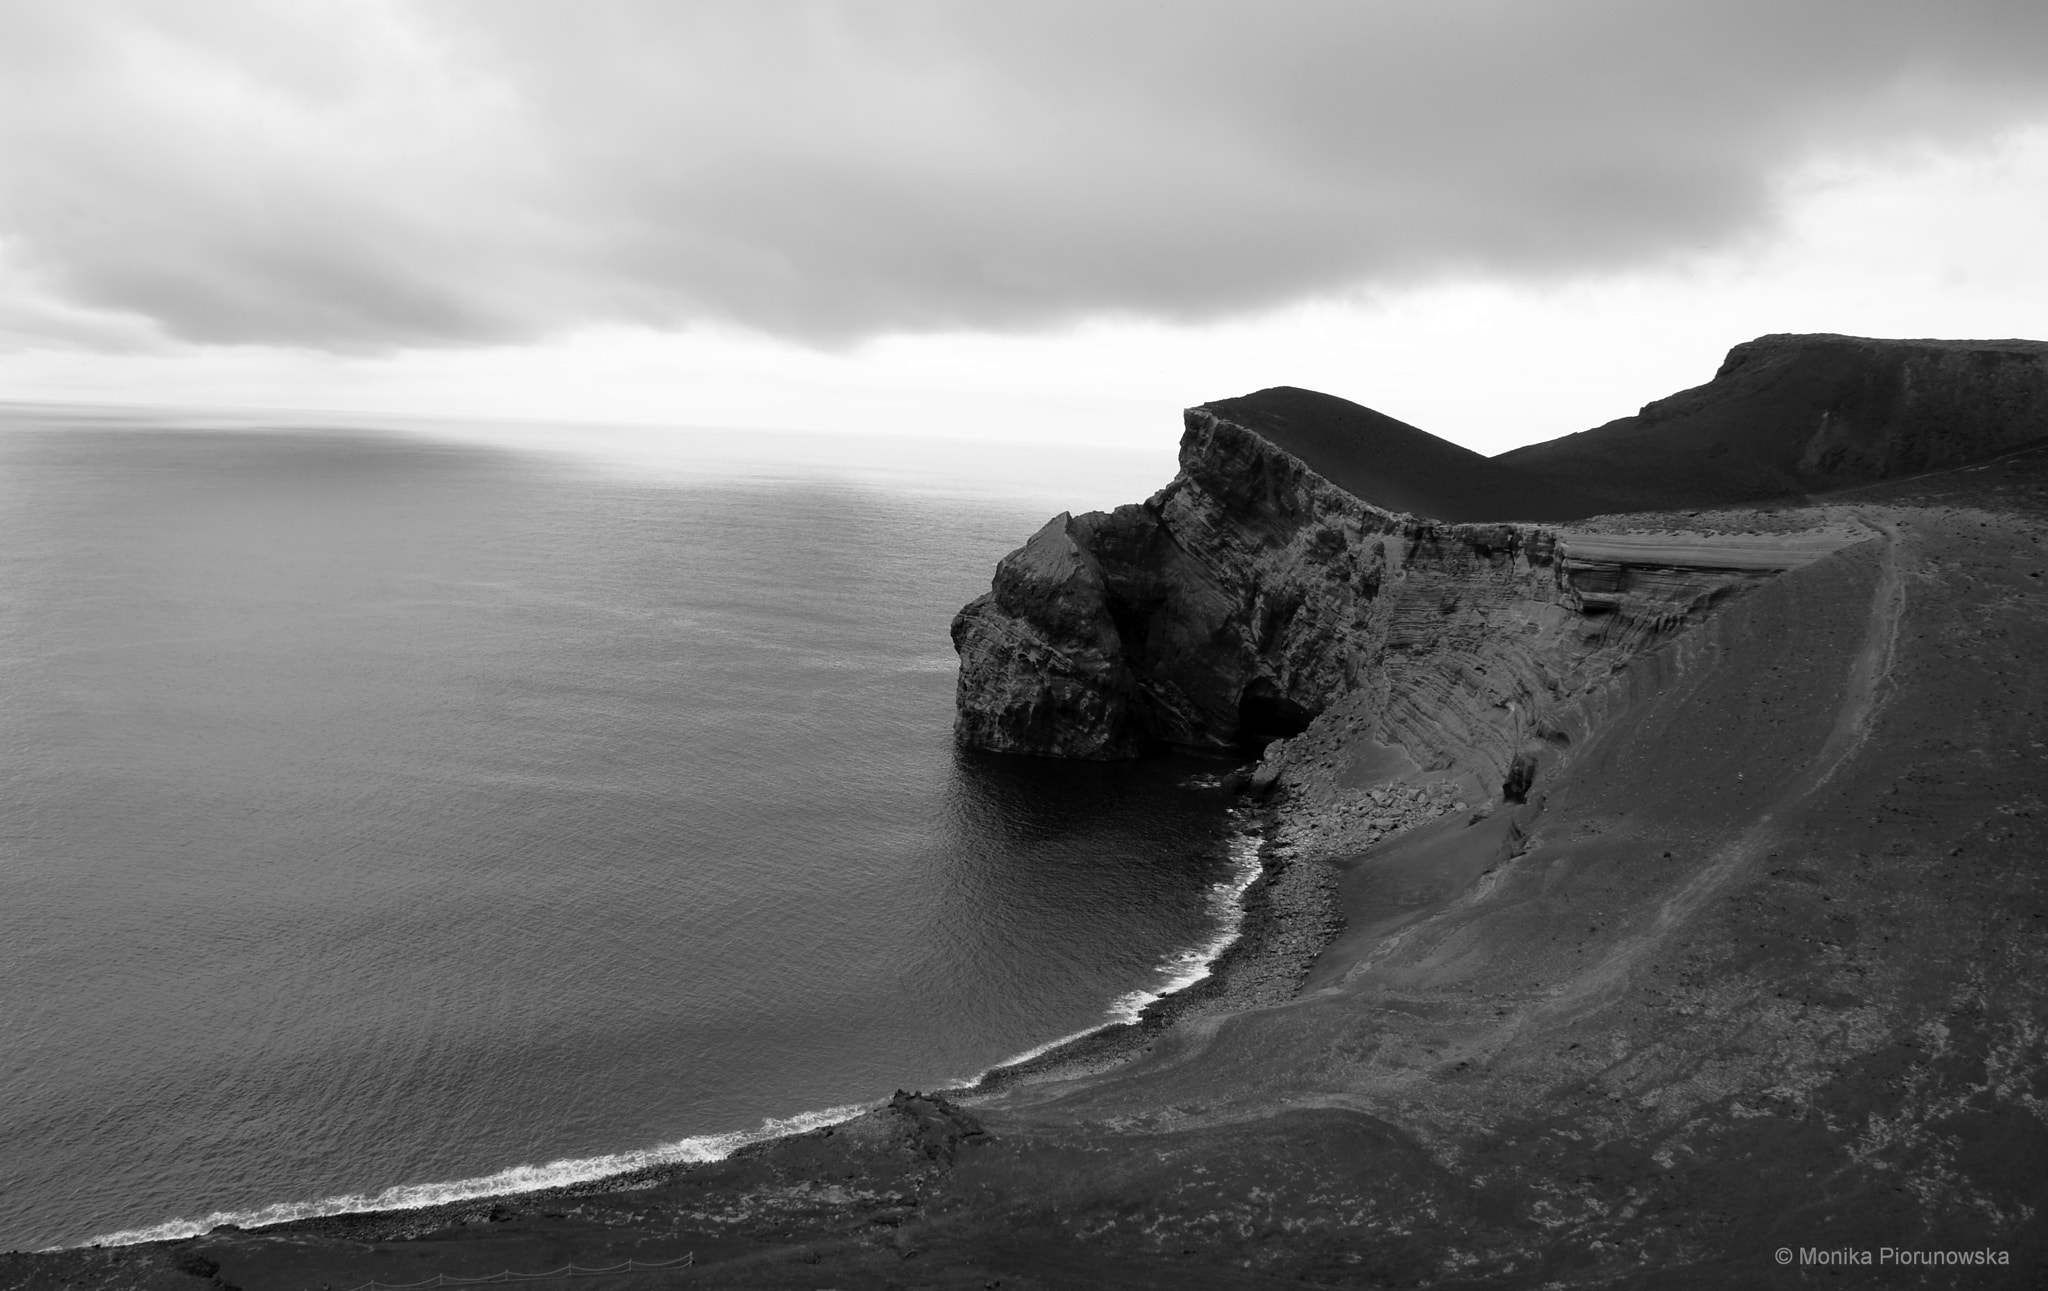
x: 1501, y: 221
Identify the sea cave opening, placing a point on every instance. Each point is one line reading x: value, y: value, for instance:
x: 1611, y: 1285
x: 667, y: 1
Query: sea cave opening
x: 1264, y: 714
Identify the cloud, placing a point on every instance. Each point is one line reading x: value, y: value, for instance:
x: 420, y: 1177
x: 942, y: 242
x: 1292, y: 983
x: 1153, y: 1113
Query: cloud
x: 361, y: 176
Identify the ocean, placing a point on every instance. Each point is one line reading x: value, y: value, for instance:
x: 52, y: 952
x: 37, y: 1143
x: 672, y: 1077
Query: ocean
x: 395, y: 815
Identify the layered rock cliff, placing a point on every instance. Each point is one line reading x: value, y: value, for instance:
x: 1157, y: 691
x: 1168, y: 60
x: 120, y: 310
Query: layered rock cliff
x: 1251, y: 595
x: 1276, y: 575
x: 1233, y: 605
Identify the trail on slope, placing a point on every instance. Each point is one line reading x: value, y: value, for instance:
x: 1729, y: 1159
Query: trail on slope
x: 1863, y: 696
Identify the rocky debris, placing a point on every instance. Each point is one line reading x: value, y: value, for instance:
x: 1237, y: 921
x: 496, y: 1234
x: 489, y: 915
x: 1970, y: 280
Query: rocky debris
x: 1291, y: 912
x: 1521, y: 775
x: 1350, y: 824
x: 932, y: 1126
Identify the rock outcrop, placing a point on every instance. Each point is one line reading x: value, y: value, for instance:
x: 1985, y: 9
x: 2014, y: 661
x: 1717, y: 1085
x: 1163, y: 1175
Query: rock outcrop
x: 1233, y: 605
x: 1304, y: 555
x: 1401, y: 468
x: 1251, y: 594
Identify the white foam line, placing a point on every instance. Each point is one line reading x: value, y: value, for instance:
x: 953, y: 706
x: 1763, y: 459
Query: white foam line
x: 1182, y: 968
x: 1226, y: 902
x: 515, y: 1179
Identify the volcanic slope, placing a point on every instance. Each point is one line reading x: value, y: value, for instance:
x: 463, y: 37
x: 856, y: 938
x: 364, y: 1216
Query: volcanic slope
x: 1760, y: 964
x: 1401, y: 468
x: 1786, y: 416
x: 1791, y: 415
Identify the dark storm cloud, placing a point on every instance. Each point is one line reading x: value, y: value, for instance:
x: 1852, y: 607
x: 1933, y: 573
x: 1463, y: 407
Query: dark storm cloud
x: 359, y: 176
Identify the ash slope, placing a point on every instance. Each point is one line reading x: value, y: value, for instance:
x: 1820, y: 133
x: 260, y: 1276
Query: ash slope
x: 1793, y: 415
x: 1759, y: 964
x: 1401, y: 468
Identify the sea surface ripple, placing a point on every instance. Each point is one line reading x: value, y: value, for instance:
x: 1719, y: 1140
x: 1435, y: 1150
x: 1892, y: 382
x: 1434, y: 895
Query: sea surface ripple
x: 386, y: 819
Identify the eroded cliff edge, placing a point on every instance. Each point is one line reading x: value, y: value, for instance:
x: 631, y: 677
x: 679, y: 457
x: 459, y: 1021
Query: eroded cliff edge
x: 1251, y: 595
x: 1797, y: 415
x: 1255, y: 592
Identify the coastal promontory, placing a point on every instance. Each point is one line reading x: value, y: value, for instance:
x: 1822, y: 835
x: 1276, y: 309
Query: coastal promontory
x: 1311, y: 550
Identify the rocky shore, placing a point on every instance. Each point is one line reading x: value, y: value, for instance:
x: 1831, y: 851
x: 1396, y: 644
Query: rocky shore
x: 1291, y: 912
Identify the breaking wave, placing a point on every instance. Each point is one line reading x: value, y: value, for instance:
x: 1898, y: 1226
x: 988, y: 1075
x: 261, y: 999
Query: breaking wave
x: 514, y: 1179
x: 1183, y: 968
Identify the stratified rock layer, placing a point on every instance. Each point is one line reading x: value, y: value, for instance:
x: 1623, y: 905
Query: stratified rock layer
x: 1251, y: 594
x: 1273, y: 577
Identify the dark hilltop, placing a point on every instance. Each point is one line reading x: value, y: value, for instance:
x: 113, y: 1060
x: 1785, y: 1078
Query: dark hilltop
x: 1653, y: 890
x: 1785, y: 417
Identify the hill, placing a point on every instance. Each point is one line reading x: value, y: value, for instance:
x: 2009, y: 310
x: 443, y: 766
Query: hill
x: 1786, y: 416
x: 1789, y: 416
x: 1398, y: 467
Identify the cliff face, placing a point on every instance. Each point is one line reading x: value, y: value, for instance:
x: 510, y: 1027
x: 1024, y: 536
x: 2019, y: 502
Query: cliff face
x: 1236, y: 602
x: 1273, y: 577
x: 1251, y: 595
x: 1789, y: 415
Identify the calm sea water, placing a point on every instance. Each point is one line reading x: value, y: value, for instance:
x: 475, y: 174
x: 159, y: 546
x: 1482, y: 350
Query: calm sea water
x: 390, y: 819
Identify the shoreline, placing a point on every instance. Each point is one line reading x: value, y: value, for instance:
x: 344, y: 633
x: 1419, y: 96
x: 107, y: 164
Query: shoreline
x: 1288, y: 914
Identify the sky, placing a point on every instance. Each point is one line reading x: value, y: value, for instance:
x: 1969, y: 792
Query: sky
x: 1041, y: 221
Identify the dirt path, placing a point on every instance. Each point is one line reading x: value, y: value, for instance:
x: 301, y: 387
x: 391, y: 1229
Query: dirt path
x: 1862, y: 697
